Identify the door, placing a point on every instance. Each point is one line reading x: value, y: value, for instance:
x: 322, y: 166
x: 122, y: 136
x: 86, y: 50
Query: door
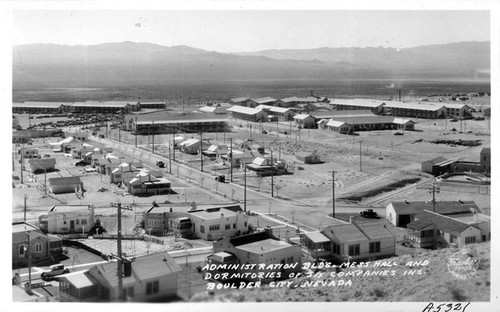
x: 72, y: 225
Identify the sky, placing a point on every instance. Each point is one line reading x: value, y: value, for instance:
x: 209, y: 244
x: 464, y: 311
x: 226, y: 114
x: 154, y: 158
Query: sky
x: 251, y: 30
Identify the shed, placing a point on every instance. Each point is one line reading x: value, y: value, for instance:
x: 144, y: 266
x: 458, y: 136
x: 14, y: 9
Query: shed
x: 40, y: 165
x: 437, y: 166
x: 65, y: 185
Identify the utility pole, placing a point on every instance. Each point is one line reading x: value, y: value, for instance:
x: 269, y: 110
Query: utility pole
x: 153, y: 148
x: 29, y: 261
x: 434, y: 188
x: 272, y: 175
x: 333, y: 194
x: 25, y: 207
x: 201, y: 150
x: 169, y: 160
x: 135, y: 131
x: 360, y: 158
x: 22, y: 165
x: 119, y: 250
x: 173, y: 144
x: 45, y: 181
x: 231, y: 159
x: 245, y: 189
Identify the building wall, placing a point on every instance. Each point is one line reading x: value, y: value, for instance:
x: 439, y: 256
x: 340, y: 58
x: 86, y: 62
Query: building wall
x: 65, y: 188
x: 485, y: 161
x: 60, y: 222
x: 38, y: 245
x: 237, y: 224
x: 161, y: 223
x: 307, y: 123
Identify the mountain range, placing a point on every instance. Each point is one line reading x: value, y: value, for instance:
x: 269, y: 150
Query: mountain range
x: 129, y: 63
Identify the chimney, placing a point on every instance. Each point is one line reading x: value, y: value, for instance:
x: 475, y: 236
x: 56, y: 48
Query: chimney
x: 399, y: 95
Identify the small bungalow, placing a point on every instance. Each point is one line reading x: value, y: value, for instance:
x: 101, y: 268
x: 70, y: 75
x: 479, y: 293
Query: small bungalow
x: 215, y: 223
x: 215, y: 151
x: 65, y: 185
x: 62, y: 219
x: 247, y: 113
x: 261, y: 248
x: 431, y: 229
x: 261, y: 101
x: 405, y: 124
x: 305, y: 121
x: 123, y: 173
x: 437, y: 166
x: 28, y: 239
x: 238, y: 157
x: 280, y: 113
x: 144, y: 183
x: 339, y: 126
x: 192, y: 146
x: 151, y: 278
x: 40, y: 165
x: 352, y: 241
x: 28, y: 152
x: 217, y: 110
x: 402, y: 213
x: 159, y: 219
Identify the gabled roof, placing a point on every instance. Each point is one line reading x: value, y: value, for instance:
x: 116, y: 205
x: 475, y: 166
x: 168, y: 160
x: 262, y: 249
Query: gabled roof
x: 296, y: 99
x: 358, y: 102
x: 345, y: 233
x: 402, y: 121
x: 442, y: 207
x: 244, y: 110
x: 69, y: 208
x: 263, y: 100
x: 143, y: 268
x: 437, y: 161
x: 414, y: 106
x: 264, y: 246
x: 302, y: 116
x: 376, y: 229
x: 419, y: 224
x: 317, y: 237
x: 43, y: 162
x: 274, y: 109
x: 335, y: 123
x: 443, y: 223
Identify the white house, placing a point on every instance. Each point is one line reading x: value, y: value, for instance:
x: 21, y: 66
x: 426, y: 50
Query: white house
x: 62, y: 219
x: 213, y: 224
x: 305, y: 121
x: 192, y: 146
x: 147, y: 278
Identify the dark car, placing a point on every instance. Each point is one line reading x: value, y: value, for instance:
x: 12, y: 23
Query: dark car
x: 220, y: 178
x: 369, y: 213
x: 81, y: 163
x: 54, y: 271
x: 101, y: 136
x: 160, y: 164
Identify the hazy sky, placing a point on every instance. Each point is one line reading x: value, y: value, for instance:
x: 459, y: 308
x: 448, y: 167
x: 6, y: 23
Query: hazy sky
x: 231, y: 31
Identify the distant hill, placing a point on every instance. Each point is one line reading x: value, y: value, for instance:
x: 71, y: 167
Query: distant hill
x: 129, y: 63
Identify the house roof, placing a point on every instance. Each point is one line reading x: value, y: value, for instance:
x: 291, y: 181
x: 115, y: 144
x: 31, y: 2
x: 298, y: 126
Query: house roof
x: 297, y: 99
x: 335, y: 123
x: 79, y: 279
x: 275, y: 109
x: 317, y: 237
x: 213, y: 214
x: 415, y: 106
x: 65, y: 180
x: 442, y: 207
x: 304, y: 154
x: 264, y: 246
x: 443, y: 223
x: 419, y: 224
x: 358, y: 102
x: 438, y: 161
x: 486, y: 150
x: 244, y: 110
x: 263, y: 100
x: 302, y: 116
x: 117, y: 104
x: 402, y: 121
x: 374, y: 119
x: 19, y: 227
x: 345, y: 233
x: 69, y: 208
x: 41, y: 104
x: 143, y: 268
x: 376, y: 229
x: 43, y: 162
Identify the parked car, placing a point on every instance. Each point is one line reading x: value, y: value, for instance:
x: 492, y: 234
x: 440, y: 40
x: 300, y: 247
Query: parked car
x: 398, y: 133
x: 81, y: 163
x: 369, y: 213
x: 54, y: 271
x: 220, y: 178
x: 160, y: 164
x: 101, y: 136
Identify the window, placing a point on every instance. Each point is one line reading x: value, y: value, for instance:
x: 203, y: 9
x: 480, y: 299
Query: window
x: 234, y: 225
x: 38, y: 248
x: 374, y: 247
x: 152, y: 287
x: 202, y: 229
x: 170, y: 224
x: 77, y: 221
x: 470, y: 240
x: 228, y: 226
x: 84, y: 221
x: 22, y: 250
x: 354, y: 250
x: 214, y: 227
x: 245, y: 224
